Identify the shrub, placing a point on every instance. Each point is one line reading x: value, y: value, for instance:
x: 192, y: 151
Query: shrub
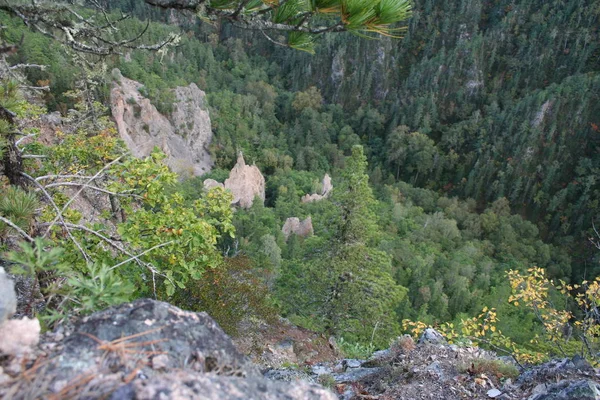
x: 497, y: 368
x: 230, y: 292
x: 355, y: 350
x: 18, y: 206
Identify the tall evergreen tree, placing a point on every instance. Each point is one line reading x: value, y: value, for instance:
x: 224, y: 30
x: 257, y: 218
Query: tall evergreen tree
x: 347, y: 282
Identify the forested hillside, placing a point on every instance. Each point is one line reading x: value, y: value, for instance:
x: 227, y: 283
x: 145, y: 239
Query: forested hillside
x: 467, y: 148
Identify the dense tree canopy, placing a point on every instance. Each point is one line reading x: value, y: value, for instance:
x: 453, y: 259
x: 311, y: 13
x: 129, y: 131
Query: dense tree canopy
x: 479, y: 127
x: 301, y: 19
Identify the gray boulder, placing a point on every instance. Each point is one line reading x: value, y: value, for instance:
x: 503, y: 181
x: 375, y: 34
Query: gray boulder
x: 570, y: 390
x: 431, y: 336
x: 138, y: 331
x: 183, y: 385
x: 149, y: 349
x: 8, y: 298
x: 355, y: 374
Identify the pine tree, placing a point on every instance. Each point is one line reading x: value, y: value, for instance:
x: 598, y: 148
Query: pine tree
x: 347, y: 282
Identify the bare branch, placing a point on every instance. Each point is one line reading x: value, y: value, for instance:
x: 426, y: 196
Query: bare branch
x: 41, y: 178
x: 190, y: 5
x: 96, y: 188
x: 16, y: 228
x: 68, y: 203
x: 43, y: 88
x: 59, y: 215
x: 55, y: 21
x: 136, y: 257
x: 113, y: 243
x: 20, y: 66
x: 270, y: 39
x: 18, y: 142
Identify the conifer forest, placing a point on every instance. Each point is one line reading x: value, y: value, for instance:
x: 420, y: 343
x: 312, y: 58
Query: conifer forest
x: 450, y: 150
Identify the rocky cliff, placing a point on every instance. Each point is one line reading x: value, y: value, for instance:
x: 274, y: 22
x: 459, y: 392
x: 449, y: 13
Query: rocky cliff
x: 293, y: 225
x: 149, y: 349
x: 326, y: 188
x: 142, y: 350
x: 183, y: 136
x: 245, y: 183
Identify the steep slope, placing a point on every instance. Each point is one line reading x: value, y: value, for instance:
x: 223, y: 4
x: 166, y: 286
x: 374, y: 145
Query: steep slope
x: 183, y: 136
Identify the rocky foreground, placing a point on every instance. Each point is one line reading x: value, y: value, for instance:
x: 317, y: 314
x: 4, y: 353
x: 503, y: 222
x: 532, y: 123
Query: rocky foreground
x: 152, y: 350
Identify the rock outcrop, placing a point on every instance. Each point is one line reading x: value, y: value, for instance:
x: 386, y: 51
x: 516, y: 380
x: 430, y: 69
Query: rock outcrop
x: 294, y: 226
x: 433, y: 369
x: 16, y: 336
x: 147, y: 349
x: 183, y: 385
x: 184, y: 136
x: 326, y: 188
x: 8, y: 298
x: 211, y: 183
x: 245, y: 182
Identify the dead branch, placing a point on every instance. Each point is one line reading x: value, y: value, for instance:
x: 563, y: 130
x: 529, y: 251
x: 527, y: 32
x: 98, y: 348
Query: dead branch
x: 16, y: 228
x: 91, y: 187
x: 158, y: 246
x: 59, y: 215
x: 68, y: 203
x: 114, y: 243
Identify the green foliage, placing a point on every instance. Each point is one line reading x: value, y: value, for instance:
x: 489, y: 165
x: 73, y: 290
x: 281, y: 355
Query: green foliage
x: 18, y: 206
x: 355, y: 350
x: 98, y: 287
x: 311, y: 98
x: 344, y: 284
x: 497, y: 368
x: 327, y: 380
x: 230, y: 292
x: 184, y: 238
x: 473, y: 124
x: 158, y: 242
x: 90, y: 289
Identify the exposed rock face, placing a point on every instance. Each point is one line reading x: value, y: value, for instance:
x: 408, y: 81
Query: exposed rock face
x: 146, y: 350
x: 245, y: 182
x: 327, y: 186
x: 184, y: 137
x: 16, y: 336
x: 431, y: 336
x: 326, y: 189
x: 297, y: 227
x: 569, y: 390
x: 8, y: 298
x: 187, y: 338
x: 183, y: 385
x: 211, y: 183
x: 19, y: 336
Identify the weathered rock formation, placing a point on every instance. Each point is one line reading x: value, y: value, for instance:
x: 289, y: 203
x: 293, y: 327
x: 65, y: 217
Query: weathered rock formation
x: 294, y: 226
x: 8, y: 299
x: 148, y: 350
x: 184, y: 136
x: 431, y: 369
x: 16, y: 336
x: 326, y: 189
x: 245, y: 183
x: 211, y: 183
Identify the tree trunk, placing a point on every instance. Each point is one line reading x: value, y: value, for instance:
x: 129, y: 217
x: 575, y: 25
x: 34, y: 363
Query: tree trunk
x: 12, y: 160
